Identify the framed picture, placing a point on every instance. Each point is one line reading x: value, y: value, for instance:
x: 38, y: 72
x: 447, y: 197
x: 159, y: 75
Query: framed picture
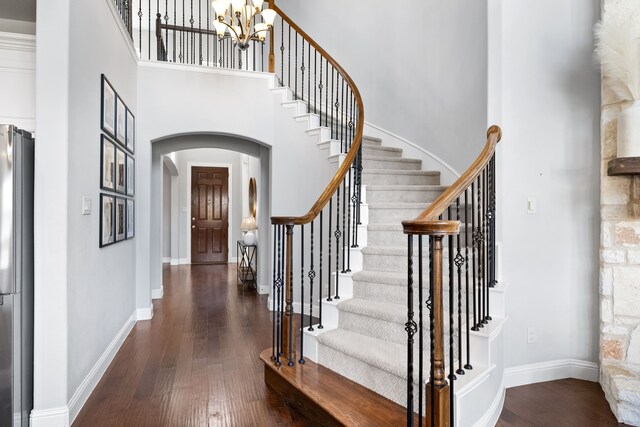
x: 131, y: 174
x: 131, y: 218
x: 120, y: 171
x: 120, y: 219
x: 108, y: 108
x: 121, y: 114
x: 107, y: 162
x: 107, y: 212
x: 131, y: 131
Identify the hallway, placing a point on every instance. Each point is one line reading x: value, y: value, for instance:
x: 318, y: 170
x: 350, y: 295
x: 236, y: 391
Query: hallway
x: 196, y: 362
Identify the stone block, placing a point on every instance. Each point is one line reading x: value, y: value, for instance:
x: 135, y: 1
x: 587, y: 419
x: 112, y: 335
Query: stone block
x: 609, y: 138
x: 633, y: 256
x: 612, y: 348
x: 610, y: 256
x: 633, y: 351
x: 626, y: 291
x: 615, y: 191
x: 614, y: 211
x: 620, y: 330
x: 606, y: 281
x: 606, y: 234
x: 606, y: 310
x: 627, y: 234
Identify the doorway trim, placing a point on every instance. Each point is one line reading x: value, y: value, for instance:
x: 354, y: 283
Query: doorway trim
x: 229, y: 166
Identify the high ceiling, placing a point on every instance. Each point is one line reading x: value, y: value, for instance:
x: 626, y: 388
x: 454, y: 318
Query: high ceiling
x: 21, y: 10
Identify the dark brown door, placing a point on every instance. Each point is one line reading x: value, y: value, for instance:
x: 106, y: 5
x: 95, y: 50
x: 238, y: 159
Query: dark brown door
x: 209, y: 215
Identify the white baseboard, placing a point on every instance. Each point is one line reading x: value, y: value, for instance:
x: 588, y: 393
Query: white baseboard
x: 183, y: 261
x: 174, y: 261
x: 232, y: 260
x: 550, y: 371
x: 54, y: 417
x: 491, y: 417
x: 157, y: 293
x: 85, y: 389
x: 166, y: 260
x: 145, y: 313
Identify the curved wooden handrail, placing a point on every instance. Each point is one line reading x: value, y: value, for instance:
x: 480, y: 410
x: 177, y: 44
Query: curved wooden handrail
x: 427, y: 222
x: 355, y: 146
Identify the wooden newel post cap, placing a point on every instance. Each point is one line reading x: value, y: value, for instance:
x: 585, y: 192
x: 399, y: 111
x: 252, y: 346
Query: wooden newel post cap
x: 495, y: 129
x: 431, y: 228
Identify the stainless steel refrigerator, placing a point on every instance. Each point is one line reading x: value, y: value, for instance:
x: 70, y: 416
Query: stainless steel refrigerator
x: 16, y: 276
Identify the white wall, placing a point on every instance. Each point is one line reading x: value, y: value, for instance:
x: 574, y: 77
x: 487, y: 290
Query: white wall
x: 15, y: 26
x: 166, y: 213
x: 210, y: 157
x: 421, y: 67
x: 85, y: 296
x: 18, y: 79
x: 549, y: 99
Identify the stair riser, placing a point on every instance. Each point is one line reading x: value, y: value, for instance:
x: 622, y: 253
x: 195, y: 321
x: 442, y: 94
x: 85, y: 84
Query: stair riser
x: 390, y: 164
x: 393, y: 294
x: 398, y: 239
x: 377, y: 328
x: 402, y: 196
x: 399, y: 263
x: 380, y: 152
x: 400, y: 179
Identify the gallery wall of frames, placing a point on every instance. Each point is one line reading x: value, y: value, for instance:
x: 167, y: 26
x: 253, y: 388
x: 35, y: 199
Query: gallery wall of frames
x: 117, y: 167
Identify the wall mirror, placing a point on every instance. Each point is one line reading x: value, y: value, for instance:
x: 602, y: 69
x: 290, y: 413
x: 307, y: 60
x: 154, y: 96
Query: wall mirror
x: 253, y: 194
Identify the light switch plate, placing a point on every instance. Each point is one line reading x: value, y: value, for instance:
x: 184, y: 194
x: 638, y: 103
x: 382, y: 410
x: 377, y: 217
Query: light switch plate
x: 86, y: 205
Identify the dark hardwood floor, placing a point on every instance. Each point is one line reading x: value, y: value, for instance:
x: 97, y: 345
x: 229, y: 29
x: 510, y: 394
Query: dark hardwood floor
x: 196, y: 363
x: 562, y: 403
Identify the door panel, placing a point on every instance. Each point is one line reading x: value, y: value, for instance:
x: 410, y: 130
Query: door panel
x: 6, y: 360
x: 209, y: 215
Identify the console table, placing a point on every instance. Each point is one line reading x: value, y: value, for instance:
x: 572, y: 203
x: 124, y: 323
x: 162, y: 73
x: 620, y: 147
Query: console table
x: 247, y: 264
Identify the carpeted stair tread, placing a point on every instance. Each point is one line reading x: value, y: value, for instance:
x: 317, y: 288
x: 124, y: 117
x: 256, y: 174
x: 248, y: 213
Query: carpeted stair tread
x: 373, y: 351
x: 405, y: 187
x: 401, y: 172
x: 376, y: 309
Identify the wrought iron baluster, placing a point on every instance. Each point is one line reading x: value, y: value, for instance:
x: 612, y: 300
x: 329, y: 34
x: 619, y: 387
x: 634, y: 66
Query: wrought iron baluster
x: 301, y: 360
x: 302, y: 69
x: 279, y: 284
x: 345, y: 206
x: 320, y: 282
x: 337, y: 235
x: 432, y: 336
x: 312, y: 276
x: 289, y: 308
x: 467, y: 242
x: 459, y: 260
x: 452, y: 375
x: 473, y: 257
x: 174, y: 30
x: 149, y: 44
x: 420, y: 329
x: 329, y: 242
x: 140, y: 14
x: 273, y: 294
x: 411, y: 328
x: 309, y: 78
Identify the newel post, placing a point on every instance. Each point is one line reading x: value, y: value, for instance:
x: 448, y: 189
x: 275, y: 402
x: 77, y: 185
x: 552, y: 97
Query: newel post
x: 440, y: 388
x: 288, y: 337
x: 272, y: 57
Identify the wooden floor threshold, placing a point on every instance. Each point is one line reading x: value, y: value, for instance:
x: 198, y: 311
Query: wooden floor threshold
x: 329, y: 399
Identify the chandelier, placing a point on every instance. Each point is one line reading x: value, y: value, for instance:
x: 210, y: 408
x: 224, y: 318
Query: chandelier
x: 237, y: 17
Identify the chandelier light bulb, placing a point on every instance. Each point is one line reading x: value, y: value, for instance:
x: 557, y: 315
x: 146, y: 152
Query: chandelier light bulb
x: 220, y: 7
x: 269, y: 15
x: 237, y: 5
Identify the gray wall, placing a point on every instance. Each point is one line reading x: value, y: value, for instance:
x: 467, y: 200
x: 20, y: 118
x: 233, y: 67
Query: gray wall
x: 421, y: 68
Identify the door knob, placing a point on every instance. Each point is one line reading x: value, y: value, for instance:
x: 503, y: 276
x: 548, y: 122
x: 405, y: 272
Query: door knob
x: 193, y: 226
x: 193, y: 218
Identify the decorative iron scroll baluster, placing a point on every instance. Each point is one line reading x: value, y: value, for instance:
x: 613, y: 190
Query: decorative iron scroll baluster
x: 345, y: 206
x: 302, y: 69
x: 473, y: 257
x: 289, y: 60
x: 312, y: 276
x: 459, y: 260
x: 450, y: 248
x: 411, y: 329
x: 288, y: 331
x: 420, y: 326
x: 337, y: 235
x: 432, y: 340
x: 295, y: 69
x: 309, y: 78
x: 140, y: 14
x: 278, y: 296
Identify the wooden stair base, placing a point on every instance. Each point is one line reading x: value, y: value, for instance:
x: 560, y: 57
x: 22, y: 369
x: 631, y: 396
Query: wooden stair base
x: 329, y: 399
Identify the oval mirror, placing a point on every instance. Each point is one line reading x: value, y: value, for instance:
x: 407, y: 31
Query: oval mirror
x: 252, y: 197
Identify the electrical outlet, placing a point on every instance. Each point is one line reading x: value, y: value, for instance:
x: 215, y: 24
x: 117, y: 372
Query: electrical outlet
x: 532, y: 335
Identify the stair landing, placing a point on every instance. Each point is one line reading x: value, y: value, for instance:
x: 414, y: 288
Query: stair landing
x: 328, y: 398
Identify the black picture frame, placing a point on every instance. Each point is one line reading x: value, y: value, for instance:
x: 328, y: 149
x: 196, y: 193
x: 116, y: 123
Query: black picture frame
x: 107, y: 217
x: 121, y: 119
x: 131, y: 219
x: 130, y: 182
x: 107, y: 163
x: 120, y: 167
x: 120, y: 219
x: 130, y: 134
x: 108, y: 98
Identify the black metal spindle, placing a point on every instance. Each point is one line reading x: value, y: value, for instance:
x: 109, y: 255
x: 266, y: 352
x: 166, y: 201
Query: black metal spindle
x: 432, y: 337
x: 420, y: 330
x: 149, y: 43
x: 345, y: 206
x: 309, y: 77
x: 281, y: 51
x: 302, y: 69
x: 473, y: 256
x: 337, y: 235
x: 290, y: 290
x: 410, y: 327
x: 329, y: 252
x: 289, y: 60
x: 459, y: 260
x: 483, y: 263
x: 208, y: 36
x: 312, y: 276
x: 273, y: 295
x: 301, y: 360
x: 315, y: 82
x: 467, y: 241
x: 452, y: 376
x: 279, y: 296
x: 140, y: 14
x: 321, y: 283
